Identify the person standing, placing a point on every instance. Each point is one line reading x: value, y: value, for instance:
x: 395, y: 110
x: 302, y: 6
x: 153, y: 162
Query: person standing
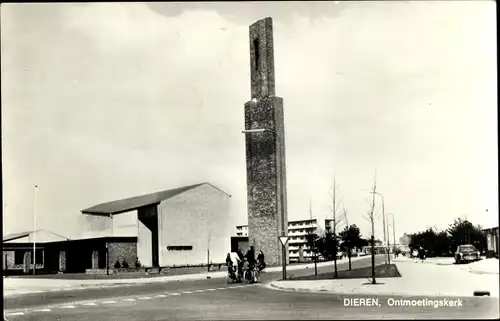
x: 251, y: 256
x: 261, y: 262
x: 414, y: 254
x: 421, y: 254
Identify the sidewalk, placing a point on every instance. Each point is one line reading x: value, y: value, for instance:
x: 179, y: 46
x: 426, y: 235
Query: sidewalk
x: 17, y: 286
x: 430, y: 260
x: 417, y: 280
x: 484, y: 266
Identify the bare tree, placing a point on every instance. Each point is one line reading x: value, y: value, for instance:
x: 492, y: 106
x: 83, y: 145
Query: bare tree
x: 344, y: 213
x: 335, y: 223
x: 371, y: 216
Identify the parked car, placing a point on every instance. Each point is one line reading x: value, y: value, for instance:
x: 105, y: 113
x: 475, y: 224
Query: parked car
x: 467, y: 253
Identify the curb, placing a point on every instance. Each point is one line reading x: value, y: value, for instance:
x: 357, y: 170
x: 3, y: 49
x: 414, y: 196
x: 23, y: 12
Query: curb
x: 482, y: 272
x: 79, y: 287
x: 280, y: 288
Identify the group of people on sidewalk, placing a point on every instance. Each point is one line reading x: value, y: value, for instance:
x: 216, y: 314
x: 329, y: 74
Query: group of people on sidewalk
x: 246, y: 262
x: 418, y: 254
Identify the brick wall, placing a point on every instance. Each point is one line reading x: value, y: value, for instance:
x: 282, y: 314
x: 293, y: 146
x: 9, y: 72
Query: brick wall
x: 263, y: 190
x: 62, y: 261
x: 122, y: 251
x: 9, y: 257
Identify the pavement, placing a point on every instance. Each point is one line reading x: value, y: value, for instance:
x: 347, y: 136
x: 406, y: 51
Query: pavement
x: 57, y: 294
x: 214, y: 299
x: 417, y: 278
x: 485, y: 266
x: 15, y: 286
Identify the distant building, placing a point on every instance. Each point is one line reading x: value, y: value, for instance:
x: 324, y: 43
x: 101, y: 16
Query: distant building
x: 298, y: 249
x: 329, y: 225
x: 492, y: 241
x: 405, y: 239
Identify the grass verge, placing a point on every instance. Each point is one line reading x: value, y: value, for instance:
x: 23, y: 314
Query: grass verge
x: 381, y: 271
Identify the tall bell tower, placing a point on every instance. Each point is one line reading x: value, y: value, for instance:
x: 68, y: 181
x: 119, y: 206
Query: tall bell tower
x: 265, y: 151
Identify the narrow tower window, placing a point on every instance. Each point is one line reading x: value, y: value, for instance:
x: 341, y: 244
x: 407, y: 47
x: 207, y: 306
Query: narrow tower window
x: 257, y: 52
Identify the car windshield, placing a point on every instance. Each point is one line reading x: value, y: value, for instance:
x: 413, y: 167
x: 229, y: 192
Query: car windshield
x: 466, y: 248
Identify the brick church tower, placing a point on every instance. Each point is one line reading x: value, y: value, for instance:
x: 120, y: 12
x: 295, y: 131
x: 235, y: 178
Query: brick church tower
x: 265, y: 151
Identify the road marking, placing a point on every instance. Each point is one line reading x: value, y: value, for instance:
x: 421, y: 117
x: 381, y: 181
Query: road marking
x: 140, y: 298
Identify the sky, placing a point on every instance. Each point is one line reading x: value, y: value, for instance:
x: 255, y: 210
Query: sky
x: 107, y: 101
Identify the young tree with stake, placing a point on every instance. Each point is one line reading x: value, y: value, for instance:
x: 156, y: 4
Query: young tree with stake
x: 333, y: 231
x: 371, y: 217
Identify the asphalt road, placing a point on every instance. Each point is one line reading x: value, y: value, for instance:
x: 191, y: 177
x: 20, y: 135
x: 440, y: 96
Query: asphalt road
x: 213, y: 299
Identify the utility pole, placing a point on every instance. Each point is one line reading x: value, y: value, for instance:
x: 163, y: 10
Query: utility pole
x: 208, y: 253
x: 394, y: 233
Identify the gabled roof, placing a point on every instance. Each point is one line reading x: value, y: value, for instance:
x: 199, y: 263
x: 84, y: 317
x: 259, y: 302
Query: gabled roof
x: 134, y: 203
x: 20, y: 235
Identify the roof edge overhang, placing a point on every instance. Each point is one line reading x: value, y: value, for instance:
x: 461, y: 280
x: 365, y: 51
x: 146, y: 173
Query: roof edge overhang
x: 106, y: 214
x: 89, y: 211
x: 16, y: 237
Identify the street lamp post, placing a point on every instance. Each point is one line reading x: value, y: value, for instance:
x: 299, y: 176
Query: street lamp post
x: 34, y: 229
x: 393, y: 232
x: 280, y: 183
x: 383, y: 222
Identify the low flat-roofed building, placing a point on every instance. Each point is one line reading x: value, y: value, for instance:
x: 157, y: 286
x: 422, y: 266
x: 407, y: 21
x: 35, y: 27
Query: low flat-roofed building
x: 55, y: 253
